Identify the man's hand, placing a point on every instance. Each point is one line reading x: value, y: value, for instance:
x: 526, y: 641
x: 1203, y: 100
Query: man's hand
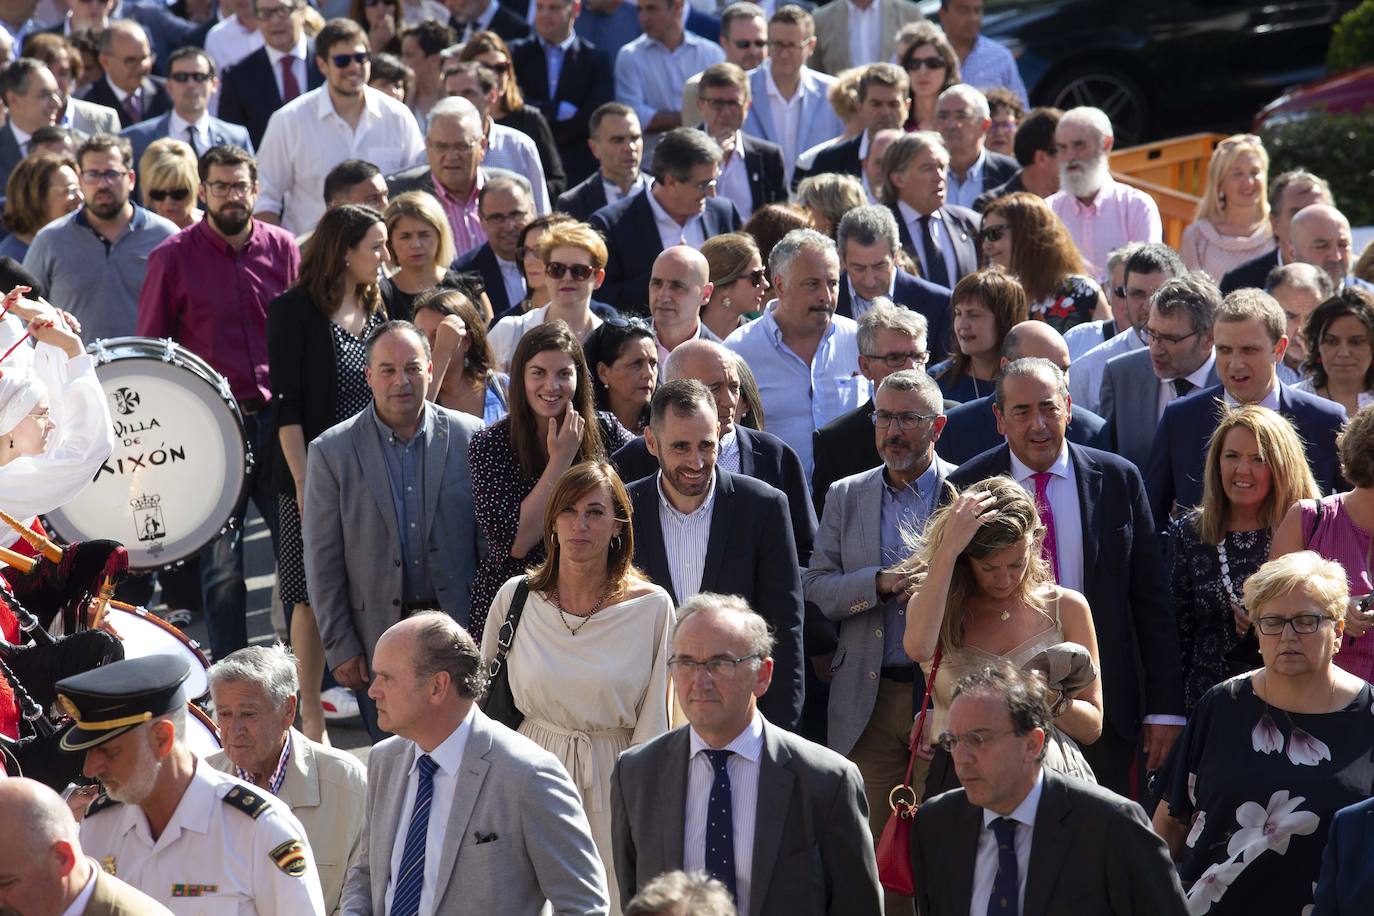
x: 1159, y: 740
x: 353, y: 673
x: 899, y: 584
x: 820, y: 665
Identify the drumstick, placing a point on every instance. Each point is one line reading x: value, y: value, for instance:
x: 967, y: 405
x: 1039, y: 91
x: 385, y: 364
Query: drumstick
x: 107, y: 589
x: 37, y: 541
x: 17, y: 560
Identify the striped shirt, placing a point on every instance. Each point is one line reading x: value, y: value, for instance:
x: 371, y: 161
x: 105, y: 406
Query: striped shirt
x: 684, y: 540
x: 278, y: 775
x: 743, y: 769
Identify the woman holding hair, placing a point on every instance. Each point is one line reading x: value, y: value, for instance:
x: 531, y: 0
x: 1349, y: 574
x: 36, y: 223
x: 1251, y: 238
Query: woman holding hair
x: 984, y: 591
x: 932, y: 67
x: 420, y: 242
x: 315, y: 352
x: 1232, y: 221
x: 169, y: 181
x: 589, y: 661
x: 1021, y: 235
x: 462, y: 362
x: 1339, y: 341
x: 1269, y: 756
x: 623, y: 357
x: 1255, y: 470
x: 381, y: 20
x: 985, y: 306
x: 42, y: 187
x: 739, y: 282
x: 516, y: 462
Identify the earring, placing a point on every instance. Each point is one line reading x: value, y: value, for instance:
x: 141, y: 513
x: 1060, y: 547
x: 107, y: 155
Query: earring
x: 615, y: 542
x: 726, y: 302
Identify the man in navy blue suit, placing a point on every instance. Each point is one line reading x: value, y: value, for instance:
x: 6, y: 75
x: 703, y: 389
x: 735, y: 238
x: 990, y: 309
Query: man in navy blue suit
x: 1346, y: 885
x: 1249, y: 341
x: 1104, y: 547
x: 617, y: 145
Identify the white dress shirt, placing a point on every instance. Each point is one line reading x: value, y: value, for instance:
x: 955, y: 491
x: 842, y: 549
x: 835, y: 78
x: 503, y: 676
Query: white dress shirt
x: 733, y: 181
x: 230, y: 41
x: 865, y: 42
x: 448, y: 757
x: 1270, y: 399
x: 1167, y: 392
x: 964, y: 193
x: 670, y: 233
x: 613, y: 190
x: 83, y: 899
x: 743, y: 769
x: 942, y: 238
x: 1086, y: 371
x: 21, y: 138
x: 727, y: 452
x: 177, y: 127
x: 985, y: 860
x: 786, y: 115
x: 297, y: 55
x: 684, y: 539
x: 513, y: 279
x: 1062, y: 494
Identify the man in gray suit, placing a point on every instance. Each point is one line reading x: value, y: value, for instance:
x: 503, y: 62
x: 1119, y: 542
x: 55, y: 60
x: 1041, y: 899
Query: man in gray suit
x: 875, y: 685
x: 1080, y: 848
x: 1178, y: 360
x: 499, y: 814
x: 389, y: 524
x: 780, y: 821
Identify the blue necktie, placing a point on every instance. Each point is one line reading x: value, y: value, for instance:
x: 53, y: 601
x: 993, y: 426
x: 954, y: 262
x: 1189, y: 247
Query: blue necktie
x: 720, y: 824
x: 410, y: 880
x: 1005, y: 899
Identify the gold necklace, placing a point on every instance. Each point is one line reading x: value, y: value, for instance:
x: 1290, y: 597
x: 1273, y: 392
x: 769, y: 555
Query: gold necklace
x: 563, y: 615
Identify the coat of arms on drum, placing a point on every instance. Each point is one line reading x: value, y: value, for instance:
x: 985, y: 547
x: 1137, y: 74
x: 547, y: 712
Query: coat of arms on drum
x: 148, y: 524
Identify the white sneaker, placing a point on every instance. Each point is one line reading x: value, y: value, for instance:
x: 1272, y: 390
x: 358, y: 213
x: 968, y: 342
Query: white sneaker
x: 339, y: 703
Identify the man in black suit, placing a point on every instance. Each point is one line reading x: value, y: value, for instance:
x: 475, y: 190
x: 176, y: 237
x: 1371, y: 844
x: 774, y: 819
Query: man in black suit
x: 1035, y: 153
x: 473, y: 16
x: 31, y: 95
x: 890, y: 339
x: 1081, y: 849
x: 971, y: 428
x: 752, y: 173
x: 1106, y: 548
x: 941, y: 238
x: 504, y: 207
x: 255, y: 87
x: 126, y: 86
x: 884, y: 97
x: 674, y: 210
x: 868, y: 240
x: 963, y: 119
x: 617, y: 144
x: 1288, y: 193
x: 698, y: 528
x: 567, y: 78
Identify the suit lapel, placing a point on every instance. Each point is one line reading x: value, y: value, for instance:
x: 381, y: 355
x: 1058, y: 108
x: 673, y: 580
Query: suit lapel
x: 762, y: 108
x: 436, y: 455
x: 391, y: 825
x: 1089, y: 482
x: 748, y: 451
x: 369, y: 450
x: 871, y: 508
x: 1050, y: 843
x: 722, y: 519
x: 472, y: 773
x: 301, y: 787
x: 962, y: 854
x: 753, y: 168
x: 650, y: 553
x: 775, y: 792
x: 965, y: 251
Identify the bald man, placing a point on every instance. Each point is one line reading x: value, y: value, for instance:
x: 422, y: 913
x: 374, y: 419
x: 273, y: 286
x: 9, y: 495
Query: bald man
x: 679, y: 286
x: 43, y: 871
x: 1320, y: 236
x: 971, y: 428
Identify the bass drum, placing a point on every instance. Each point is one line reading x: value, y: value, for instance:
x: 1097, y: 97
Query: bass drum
x: 202, y: 737
x: 145, y: 634
x: 179, y: 469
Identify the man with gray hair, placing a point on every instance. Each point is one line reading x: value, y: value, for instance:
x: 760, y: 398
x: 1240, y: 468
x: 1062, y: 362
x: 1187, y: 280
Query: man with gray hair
x: 1289, y: 193
x: 677, y: 209
x: 804, y: 356
x: 851, y: 582
x: 505, y: 206
x: 1100, y: 213
x: 963, y: 119
x: 777, y: 819
x: 941, y: 237
x: 254, y: 691
x: 1298, y: 288
x: 1101, y: 542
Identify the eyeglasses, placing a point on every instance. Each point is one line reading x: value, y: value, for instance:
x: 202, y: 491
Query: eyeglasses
x: 357, y: 57
x: 1302, y: 624
x: 190, y: 77
x: 973, y: 741
x: 580, y: 272
x: 109, y: 176
x: 514, y: 216
x: 42, y: 416
x: 715, y: 668
x: 755, y: 277
x: 376, y: 2
x: 703, y: 187
x: 275, y: 12
x: 226, y: 188
x: 458, y: 149
x: 1170, y: 340
x: 723, y: 104
x: 884, y: 419
x: 744, y: 44
x: 992, y: 233
x: 502, y: 68
x: 897, y: 360
x: 177, y: 194
x: 954, y: 117
x: 930, y: 63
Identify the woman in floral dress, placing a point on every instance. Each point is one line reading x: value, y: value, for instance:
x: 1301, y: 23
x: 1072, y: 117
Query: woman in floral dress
x: 1268, y: 757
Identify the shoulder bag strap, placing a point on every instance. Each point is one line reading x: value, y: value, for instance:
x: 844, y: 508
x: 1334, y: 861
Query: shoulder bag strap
x: 517, y: 607
x: 919, y: 725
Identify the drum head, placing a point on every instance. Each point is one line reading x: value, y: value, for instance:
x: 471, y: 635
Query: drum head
x: 202, y: 737
x: 180, y: 463
x: 145, y: 634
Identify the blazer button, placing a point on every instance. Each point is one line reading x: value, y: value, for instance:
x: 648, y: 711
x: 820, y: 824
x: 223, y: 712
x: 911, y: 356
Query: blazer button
x: 878, y: 632
x: 395, y: 602
x: 872, y: 675
x: 398, y: 562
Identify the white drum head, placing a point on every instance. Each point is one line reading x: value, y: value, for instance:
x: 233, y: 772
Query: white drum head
x: 201, y: 735
x: 144, y: 634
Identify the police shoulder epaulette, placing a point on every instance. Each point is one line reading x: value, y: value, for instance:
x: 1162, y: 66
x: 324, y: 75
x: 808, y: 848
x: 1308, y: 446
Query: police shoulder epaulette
x: 102, y: 802
x: 247, y: 801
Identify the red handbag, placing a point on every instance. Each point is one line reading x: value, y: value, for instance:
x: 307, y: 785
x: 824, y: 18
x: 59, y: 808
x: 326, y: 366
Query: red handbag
x: 894, y: 846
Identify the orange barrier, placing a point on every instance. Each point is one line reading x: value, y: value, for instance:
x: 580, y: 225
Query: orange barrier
x: 1173, y: 172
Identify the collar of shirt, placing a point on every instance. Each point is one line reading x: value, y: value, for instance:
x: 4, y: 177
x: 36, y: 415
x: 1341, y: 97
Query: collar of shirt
x: 296, y: 53
x: 863, y: 147
x: 748, y: 743
x: 137, y: 222
x: 771, y: 87
x: 923, y: 485
x: 1270, y: 399
x: 449, y: 754
x: 389, y: 435
x: 727, y: 447
x: 446, y: 197
x: 324, y: 104
x: 177, y: 126
x: 1199, y: 375
x: 563, y: 45
x: 1024, y: 813
x: 119, y: 93
x: 1099, y: 199
x: 911, y: 216
x: 855, y: 10
x: 854, y: 293
x: 774, y: 332
x: 1020, y: 473
x: 613, y: 190
x: 662, y: 217
x: 975, y: 171
x: 703, y: 509
x: 737, y: 150
x: 278, y: 775
x: 20, y: 137
x: 193, y: 812
x: 83, y: 899
x: 487, y: 15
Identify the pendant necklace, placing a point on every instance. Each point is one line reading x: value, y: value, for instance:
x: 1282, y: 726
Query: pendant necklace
x: 564, y: 615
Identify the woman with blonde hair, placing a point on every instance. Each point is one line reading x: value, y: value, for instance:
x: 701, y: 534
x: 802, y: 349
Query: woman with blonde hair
x: 984, y: 306
x: 931, y: 66
x: 984, y: 591
x: 421, y: 244
x: 739, y: 282
x: 42, y: 188
x: 1232, y: 221
x: 588, y: 661
x: 1024, y: 237
x: 169, y: 181
x: 828, y: 197
x: 1255, y: 470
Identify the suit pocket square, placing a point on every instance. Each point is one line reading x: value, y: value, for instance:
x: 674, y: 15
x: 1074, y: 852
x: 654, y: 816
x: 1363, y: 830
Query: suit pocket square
x: 481, y: 837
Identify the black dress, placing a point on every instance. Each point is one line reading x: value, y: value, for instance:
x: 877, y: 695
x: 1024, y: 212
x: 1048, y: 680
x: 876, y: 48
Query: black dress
x: 1259, y: 786
x: 1207, y: 640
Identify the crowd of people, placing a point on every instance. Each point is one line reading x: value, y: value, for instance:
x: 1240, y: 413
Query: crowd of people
x: 679, y: 428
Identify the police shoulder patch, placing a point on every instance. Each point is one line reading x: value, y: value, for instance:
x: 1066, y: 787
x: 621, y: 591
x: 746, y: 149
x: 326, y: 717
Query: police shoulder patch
x: 247, y: 801
x: 290, y: 857
x: 101, y: 803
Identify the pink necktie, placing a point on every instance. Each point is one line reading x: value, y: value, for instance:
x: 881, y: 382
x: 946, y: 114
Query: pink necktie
x: 290, y: 86
x: 1049, y: 549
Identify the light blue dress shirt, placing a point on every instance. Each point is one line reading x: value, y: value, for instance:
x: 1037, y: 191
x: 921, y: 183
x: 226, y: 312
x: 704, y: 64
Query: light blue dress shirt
x: 649, y: 77
x: 989, y: 65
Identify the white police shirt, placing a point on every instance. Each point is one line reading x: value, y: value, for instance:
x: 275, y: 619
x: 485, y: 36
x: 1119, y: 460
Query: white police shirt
x: 230, y: 849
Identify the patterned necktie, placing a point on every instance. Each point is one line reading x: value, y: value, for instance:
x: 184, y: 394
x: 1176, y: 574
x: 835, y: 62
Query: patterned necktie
x: 1183, y: 387
x: 1050, y: 549
x: 936, y: 270
x: 290, y: 86
x: 410, y: 879
x: 1005, y: 899
x: 720, y: 824
x: 134, y: 107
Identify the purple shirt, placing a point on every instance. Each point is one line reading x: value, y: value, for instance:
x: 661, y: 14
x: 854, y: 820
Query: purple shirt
x: 213, y: 300
x: 1118, y: 214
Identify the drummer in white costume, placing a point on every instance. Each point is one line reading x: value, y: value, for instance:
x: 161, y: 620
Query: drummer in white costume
x: 196, y: 840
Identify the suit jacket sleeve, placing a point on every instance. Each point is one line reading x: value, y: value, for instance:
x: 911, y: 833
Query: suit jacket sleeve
x: 622, y: 838
x: 1106, y: 406
x: 780, y: 598
x: 847, y: 851
x: 612, y: 288
x: 799, y: 504
x: 1141, y: 878
x: 326, y: 570
x: 1154, y: 619
x: 1344, y: 834
x: 285, y: 357
x: 827, y: 584
x: 558, y: 841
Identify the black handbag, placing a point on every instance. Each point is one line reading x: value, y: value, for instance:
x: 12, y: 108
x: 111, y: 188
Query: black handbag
x: 499, y: 703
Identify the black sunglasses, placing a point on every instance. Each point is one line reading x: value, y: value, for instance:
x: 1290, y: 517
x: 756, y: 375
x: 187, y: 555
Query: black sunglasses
x: 744, y: 44
x: 580, y: 272
x: 619, y: 321
x: 930, y: 63
x: 190, y: 77
x: 343, y: 60
x: 992, y: 234
x: 177, y: 194
x: 755, y: 277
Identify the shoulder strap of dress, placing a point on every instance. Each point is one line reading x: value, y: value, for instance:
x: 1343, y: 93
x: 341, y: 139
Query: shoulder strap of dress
x: 1058, y: 594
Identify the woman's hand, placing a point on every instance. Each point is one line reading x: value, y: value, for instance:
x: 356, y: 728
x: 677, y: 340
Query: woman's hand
x: 967, y: 514
x: 1241, y: 619
x: 565, y: 438
x: 300, y: 499
x: 451, y: 338
x: 53, y: 331
x: 1357, y: 622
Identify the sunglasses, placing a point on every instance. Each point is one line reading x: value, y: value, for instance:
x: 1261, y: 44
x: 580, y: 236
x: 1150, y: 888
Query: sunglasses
x: 755, y: 277
x: 177, y: 194
x: 992, y: 234
x: 502, y: 68
x: 580, y: 272
x: 343, y: 60
x: 621, y: 322
x: 190, y: 77
x: 744, y: 44
x: 930, y: 63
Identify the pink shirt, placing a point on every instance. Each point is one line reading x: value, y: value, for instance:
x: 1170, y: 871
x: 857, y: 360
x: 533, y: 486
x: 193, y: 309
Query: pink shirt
x: 1119, y: 214
x: 462, y: 215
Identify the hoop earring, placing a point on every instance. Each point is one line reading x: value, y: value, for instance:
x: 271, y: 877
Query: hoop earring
x: 615, y: 542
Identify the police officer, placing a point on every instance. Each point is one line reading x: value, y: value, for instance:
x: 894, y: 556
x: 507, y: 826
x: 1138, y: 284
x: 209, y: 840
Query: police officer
x: 196, y: 840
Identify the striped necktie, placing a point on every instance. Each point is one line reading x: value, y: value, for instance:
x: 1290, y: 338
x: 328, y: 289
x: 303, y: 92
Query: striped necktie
x: 410, y: 879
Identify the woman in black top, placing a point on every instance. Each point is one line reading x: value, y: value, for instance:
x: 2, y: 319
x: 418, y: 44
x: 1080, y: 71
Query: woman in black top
x: 622, y: 356
x: 420, y: 241
x: 315, y: 352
